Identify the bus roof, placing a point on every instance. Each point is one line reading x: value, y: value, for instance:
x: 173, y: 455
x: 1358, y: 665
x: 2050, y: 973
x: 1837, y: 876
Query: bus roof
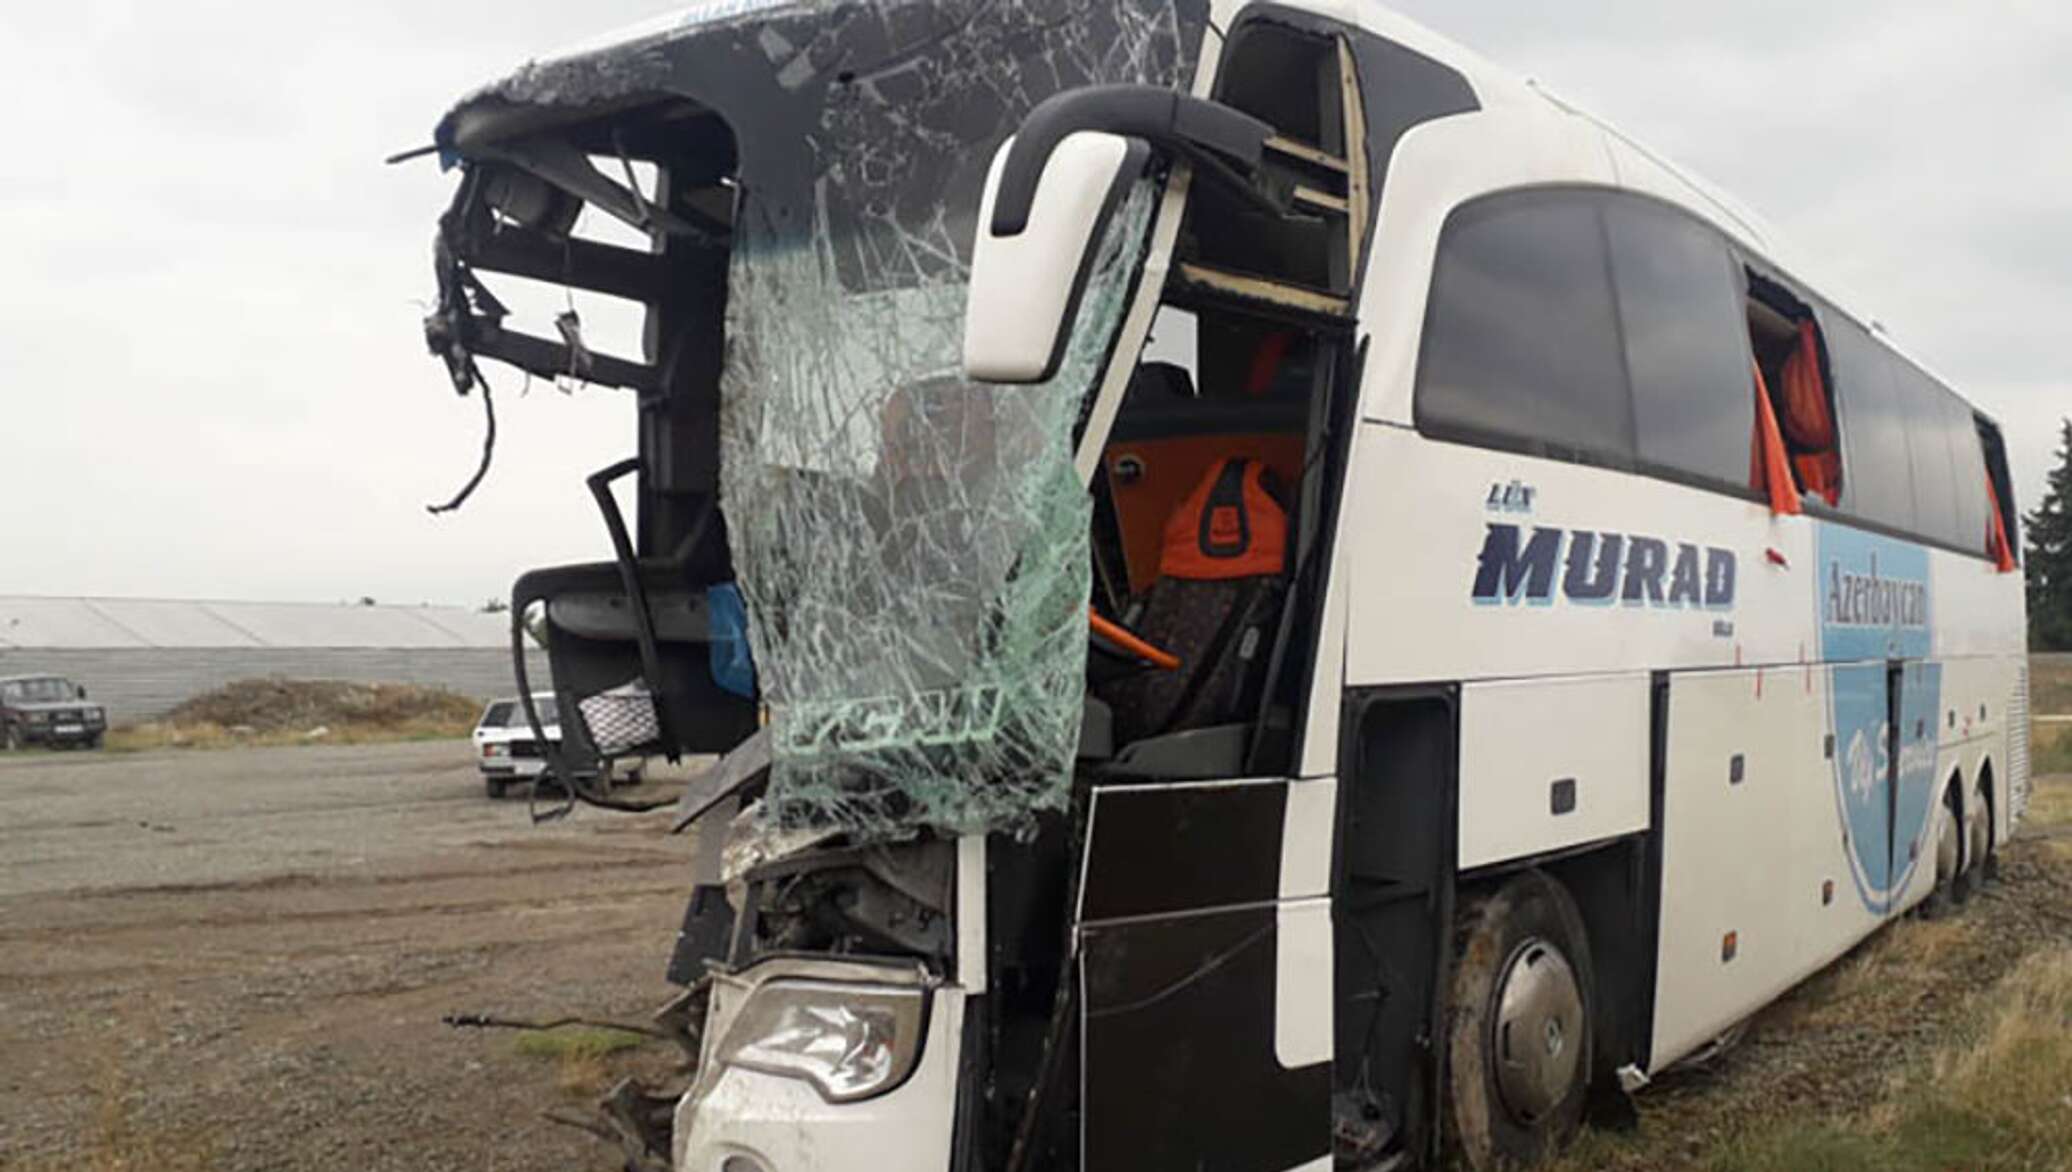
x: 619, y: 64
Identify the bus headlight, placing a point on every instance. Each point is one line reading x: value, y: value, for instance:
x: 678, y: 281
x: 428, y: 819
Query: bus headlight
x: 850, y: 1041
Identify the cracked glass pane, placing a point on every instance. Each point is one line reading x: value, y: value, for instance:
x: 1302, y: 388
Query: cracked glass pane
x: 912, y: 546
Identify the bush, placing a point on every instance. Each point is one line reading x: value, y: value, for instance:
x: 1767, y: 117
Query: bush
x: 281, y: 711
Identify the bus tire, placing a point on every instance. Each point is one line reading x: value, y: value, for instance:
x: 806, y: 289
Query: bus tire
x: 1520, y: 1042
x: 1949, y: 859
x: 1989, y: 866
x: 1976, y: 839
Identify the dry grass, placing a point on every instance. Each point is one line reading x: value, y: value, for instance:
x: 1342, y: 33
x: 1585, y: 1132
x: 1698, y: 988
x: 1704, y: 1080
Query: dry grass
x: 2050, y: 749
x: 115, y: 1141
x: 581, y: 1055
x: 1994, y: 1095
x: 2050, y: 801
x: 2050, y: 686
x: 1987, y: 1087
x: 290, y: 712
x: 1997, y: 1097
x: 1910, y: 952
x: 166, y: 735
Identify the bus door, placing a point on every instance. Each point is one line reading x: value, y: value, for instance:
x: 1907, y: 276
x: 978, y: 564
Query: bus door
x: 1884, y: 697
x: 1916, y: 701
x: 1864, y: 697
x: 1205, y: 975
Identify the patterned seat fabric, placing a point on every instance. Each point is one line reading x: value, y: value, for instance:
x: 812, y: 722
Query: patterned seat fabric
x: 1214, y: 606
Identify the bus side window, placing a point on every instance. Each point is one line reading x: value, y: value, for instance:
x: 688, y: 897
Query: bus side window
x: 1686, y: 347
x: 1786, y: 341
x: 2003, y: 536
x: 1973, y: 532
x: 1521, y: 337
x: 1936, y: 505
x: 1880, y: 487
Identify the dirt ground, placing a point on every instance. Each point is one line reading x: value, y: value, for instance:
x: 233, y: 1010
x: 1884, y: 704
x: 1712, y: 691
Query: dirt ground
x: 238, y: 960
x: 1850, y: 1043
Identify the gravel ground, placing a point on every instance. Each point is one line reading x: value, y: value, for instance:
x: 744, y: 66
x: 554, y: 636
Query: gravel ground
x: 238, y: 960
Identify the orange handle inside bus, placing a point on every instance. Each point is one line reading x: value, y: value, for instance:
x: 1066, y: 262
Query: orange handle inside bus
x: 1121, y: 638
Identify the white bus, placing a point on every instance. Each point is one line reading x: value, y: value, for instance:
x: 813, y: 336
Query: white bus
x: 1534, y: 623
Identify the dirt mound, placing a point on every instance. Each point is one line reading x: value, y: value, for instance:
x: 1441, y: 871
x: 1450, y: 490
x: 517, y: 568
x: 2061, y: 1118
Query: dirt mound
x: 279, y: 705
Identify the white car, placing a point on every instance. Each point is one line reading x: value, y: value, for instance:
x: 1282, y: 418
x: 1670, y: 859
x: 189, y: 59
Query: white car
x: 505, y: 749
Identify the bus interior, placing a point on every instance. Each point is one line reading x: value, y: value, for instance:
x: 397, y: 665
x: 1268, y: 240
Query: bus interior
x: 1213, y: 489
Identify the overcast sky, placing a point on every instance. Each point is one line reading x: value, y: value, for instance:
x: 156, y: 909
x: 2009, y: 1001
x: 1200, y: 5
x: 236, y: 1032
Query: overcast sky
x: 213, y: 384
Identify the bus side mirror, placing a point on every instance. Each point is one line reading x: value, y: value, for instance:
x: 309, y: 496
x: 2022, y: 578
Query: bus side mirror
x: 1050, y: 192
x: 1025, y: 286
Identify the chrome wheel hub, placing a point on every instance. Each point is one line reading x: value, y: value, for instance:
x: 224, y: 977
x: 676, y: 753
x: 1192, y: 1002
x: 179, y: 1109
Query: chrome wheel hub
x: 1538, y: 1029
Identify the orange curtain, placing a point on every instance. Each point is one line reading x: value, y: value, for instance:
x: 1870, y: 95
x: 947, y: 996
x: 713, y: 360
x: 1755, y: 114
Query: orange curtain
x: 1775, y: 468
x: 1997, y: 544
x: 1808, y: 421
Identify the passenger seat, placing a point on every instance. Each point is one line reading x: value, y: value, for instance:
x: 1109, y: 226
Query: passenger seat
x: 1214, y: 606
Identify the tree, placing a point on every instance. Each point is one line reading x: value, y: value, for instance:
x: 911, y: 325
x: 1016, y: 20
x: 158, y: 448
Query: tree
x: 2050, y: 556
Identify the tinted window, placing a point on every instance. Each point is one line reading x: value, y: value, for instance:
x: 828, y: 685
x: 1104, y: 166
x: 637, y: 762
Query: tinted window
x: 1995, y: 451
x: 499, y: 714
x: 1520, y: 343
x: 1968, y: 470
x: 1879, y: 482
x: 1928, y: 441
x: 1686, y: 341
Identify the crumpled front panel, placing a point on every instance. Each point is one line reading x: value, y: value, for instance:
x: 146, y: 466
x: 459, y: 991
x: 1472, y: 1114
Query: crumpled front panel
x: 913, y: 547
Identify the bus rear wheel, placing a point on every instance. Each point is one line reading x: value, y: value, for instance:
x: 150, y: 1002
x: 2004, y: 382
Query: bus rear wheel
x: 1520, y: 1041
x: 1978, y: 849
x: 1949, y: 857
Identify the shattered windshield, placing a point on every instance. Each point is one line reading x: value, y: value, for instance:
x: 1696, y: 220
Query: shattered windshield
x: 913, y: 546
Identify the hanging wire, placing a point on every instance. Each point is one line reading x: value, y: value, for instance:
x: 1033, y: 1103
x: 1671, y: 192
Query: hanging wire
x: 488, y: 444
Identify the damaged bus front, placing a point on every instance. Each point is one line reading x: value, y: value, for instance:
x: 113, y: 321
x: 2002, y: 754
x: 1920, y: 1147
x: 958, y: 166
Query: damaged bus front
x: 994, y: 398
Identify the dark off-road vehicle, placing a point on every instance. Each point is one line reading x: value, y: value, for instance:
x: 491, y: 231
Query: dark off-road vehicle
x: 48, y: 710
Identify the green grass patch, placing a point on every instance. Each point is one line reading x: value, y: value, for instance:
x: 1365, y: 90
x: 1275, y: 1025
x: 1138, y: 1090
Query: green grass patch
x: 576, y: 1042
x: 1804, y: 1146
x: 2050, y: 749
x: 581, y: 1055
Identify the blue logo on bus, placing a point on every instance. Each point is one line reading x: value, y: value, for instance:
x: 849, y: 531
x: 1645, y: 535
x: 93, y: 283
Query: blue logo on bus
x: 1873, y: 603
x: 1591, y: 568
